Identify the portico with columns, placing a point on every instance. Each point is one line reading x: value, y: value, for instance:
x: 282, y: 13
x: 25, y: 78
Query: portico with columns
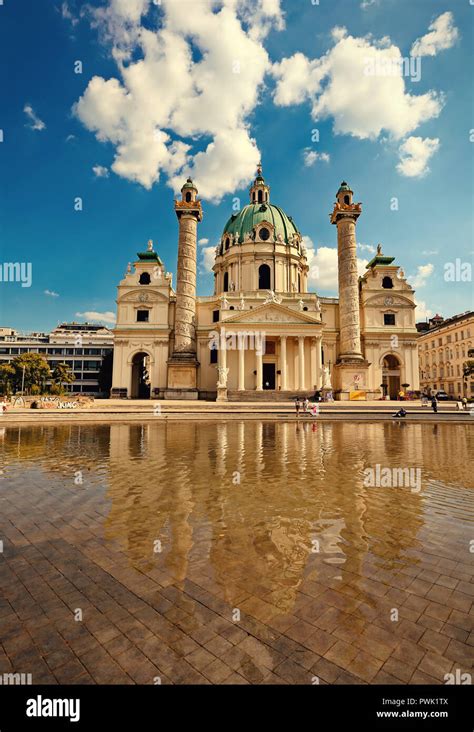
x: 270, y: 348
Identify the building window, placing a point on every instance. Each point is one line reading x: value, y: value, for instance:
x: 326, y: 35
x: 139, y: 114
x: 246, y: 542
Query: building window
x: 264, y: 277
x: 226, y: 282
x: 188, y: 197
x: 227, y: 243
x: 264, y: 234
x: 213, y: 356
x: 215, y: 316
x: 389, y: 318
x: 145, y: 278
x: 143, y: 316
x: 260, y: 196
x: 347, y: 200
x: 387, y: 283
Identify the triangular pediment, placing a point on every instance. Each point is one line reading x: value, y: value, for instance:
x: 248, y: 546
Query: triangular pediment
x: 273, y: 313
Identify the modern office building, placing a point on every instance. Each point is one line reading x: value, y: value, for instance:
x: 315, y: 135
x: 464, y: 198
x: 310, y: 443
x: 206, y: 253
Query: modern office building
x: 82, y: 346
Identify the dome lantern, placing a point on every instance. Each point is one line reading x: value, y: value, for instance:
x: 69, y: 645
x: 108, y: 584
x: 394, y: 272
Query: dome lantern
x: 259, y: 192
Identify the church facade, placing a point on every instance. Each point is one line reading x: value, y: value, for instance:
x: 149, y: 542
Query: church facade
x: 263, y: 334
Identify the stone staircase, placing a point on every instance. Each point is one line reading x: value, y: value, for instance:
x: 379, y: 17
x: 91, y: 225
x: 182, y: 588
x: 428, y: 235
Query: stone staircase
x: 266, y: 396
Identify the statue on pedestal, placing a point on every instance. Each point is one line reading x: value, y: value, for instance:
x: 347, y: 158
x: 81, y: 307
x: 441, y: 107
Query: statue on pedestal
x: 222, y: 373
x: 326, y: 378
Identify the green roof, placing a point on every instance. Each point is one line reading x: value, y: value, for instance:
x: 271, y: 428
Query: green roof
x: 380, y: 259
x: 344, y: 187
x: 189, y: 184
x: 253, y: 214
x: 149, y: 257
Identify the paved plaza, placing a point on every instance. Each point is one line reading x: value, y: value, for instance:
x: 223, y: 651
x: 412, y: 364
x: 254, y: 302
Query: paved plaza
x: 236, y: 596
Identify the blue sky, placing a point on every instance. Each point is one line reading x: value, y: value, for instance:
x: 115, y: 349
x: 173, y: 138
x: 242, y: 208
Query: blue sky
x: 291, y: 74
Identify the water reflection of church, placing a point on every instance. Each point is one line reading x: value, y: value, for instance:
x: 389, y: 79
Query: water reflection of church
x: 366, y: 337
x: 236, y: 542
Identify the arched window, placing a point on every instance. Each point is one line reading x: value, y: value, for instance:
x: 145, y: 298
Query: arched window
x: 253, y: 196
x: 299, y: 283
x: 145, y: 279
x: 188, y: 197
x: 264, y: 277
x: 387, y: 283
x: 226, y: 282
x: 260, y: 196
x: 227, y: 243
x: 347, y: 199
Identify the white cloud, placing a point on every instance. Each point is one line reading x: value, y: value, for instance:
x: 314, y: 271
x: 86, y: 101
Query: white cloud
x: 51, y: 293
x: 69, y: 138
x: 415, y: 154
x: 443, y: 35
x: 429, y: 252
x: 182, y: 103
x: 35, y: 123
x: 310, y: 157
x: 423, y: 273
x: 338, y: 85
x: 365, y: 4
x: 100, y: 171
x: 203, y: 241
x: 94, y: 316
x: 68, y: 15
x: 366, y: 248
x: 422, y: 312
x: 323, y: 269
x: 207, y: 260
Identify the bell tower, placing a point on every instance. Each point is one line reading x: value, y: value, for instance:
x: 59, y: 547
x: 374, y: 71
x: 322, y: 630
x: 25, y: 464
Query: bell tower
x: 183, y: 364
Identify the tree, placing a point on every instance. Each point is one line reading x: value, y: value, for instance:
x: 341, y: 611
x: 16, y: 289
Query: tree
x: 30, y: 369
x: 7, y: 373
x: 105, y: 373
x: 62, y: 374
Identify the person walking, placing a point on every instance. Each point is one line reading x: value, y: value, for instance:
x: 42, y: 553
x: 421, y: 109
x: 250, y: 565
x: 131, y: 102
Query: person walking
x: 434, y: 404
x: 305, y: 404
x: 297, y: 406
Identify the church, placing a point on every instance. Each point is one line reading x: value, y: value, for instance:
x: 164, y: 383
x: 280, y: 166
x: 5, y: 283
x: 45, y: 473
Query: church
x: 263, y: 334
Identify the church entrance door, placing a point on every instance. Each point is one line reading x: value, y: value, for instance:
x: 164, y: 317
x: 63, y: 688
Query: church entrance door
x: 140, y: 376
x: 269, y: 376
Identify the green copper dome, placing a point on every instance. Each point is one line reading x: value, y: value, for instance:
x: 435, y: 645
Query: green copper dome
x: 344, y: 187
x: 243, y: 222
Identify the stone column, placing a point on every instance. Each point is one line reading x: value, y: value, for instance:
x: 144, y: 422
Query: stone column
x: 314, y: 378
x: 344, y: 216
x: 241, y: 381
x: 349, y: 320
x: 295, y: 364
x: 301, y: 384
x: 319, y: 363
x: 183, y: 363
x: 283, y: 362
x: 259, y: 360
x: 185, y: 331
